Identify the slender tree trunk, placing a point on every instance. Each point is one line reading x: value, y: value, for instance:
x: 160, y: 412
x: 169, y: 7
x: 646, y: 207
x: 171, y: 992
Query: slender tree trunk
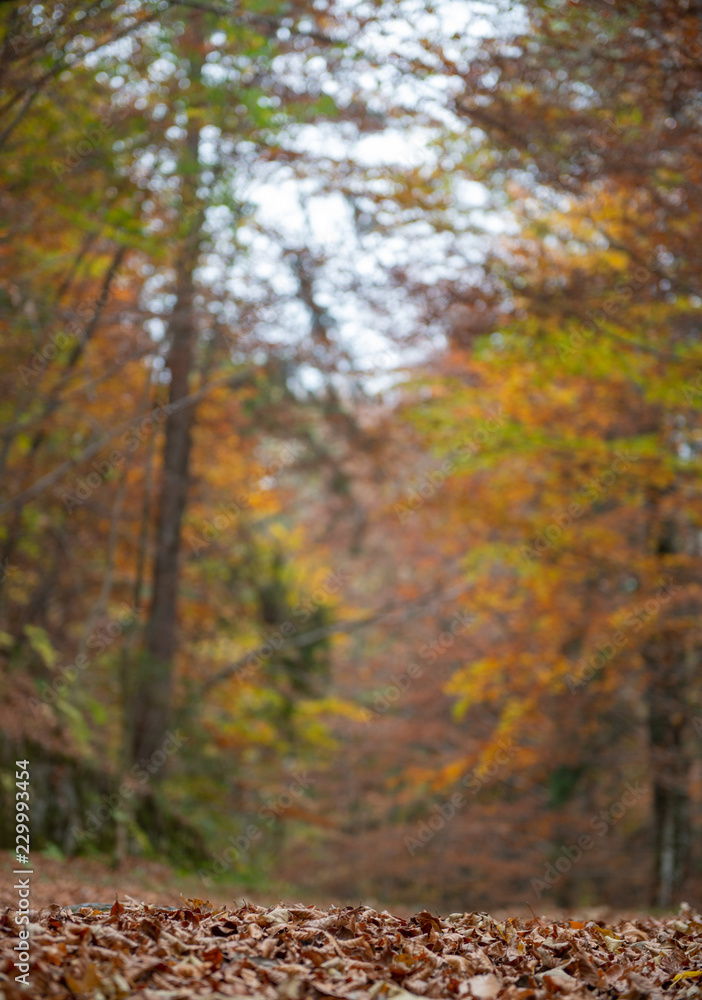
x: 670, y: 666
x: 152, y: 706
x: 671, y: 766
x: 153, y: 693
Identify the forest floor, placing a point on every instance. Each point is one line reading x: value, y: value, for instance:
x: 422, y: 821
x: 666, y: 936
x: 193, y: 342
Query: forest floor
x: 179, y: 947
x: 68, y: 881
x: 65, y: 881
x: 296, y: 952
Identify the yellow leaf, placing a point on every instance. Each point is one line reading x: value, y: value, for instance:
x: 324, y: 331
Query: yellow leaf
x: 690, y: 974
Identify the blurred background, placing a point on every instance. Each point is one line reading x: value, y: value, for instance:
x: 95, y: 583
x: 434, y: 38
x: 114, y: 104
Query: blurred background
x: 351, y: 380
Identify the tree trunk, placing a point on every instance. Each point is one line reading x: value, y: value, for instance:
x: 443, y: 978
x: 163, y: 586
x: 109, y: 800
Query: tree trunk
x: 671, y: 765
x: 147, y: 729
x: 151, y: 707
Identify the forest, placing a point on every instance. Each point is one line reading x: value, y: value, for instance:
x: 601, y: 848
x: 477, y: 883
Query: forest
x: 351, y: 446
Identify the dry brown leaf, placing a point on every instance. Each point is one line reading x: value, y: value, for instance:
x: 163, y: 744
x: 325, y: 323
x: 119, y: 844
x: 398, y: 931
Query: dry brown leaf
x: 354, y: 953
x: 484, y: 987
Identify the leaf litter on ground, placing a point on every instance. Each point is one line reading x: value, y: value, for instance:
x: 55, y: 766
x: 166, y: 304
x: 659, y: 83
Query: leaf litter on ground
x: 297, y: 952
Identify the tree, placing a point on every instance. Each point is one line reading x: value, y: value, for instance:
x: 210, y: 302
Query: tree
x: 583, y: 327
x: 146, y: 137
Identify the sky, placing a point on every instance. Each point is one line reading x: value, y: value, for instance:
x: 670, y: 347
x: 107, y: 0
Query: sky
x: 298, y: 213
x: 250, y: 261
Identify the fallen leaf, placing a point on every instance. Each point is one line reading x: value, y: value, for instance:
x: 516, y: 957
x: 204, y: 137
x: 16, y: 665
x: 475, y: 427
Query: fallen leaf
x: 485, y: 986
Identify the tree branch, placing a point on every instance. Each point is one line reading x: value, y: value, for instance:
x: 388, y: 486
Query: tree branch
x: 233, y: 381
x: 336, y: 628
